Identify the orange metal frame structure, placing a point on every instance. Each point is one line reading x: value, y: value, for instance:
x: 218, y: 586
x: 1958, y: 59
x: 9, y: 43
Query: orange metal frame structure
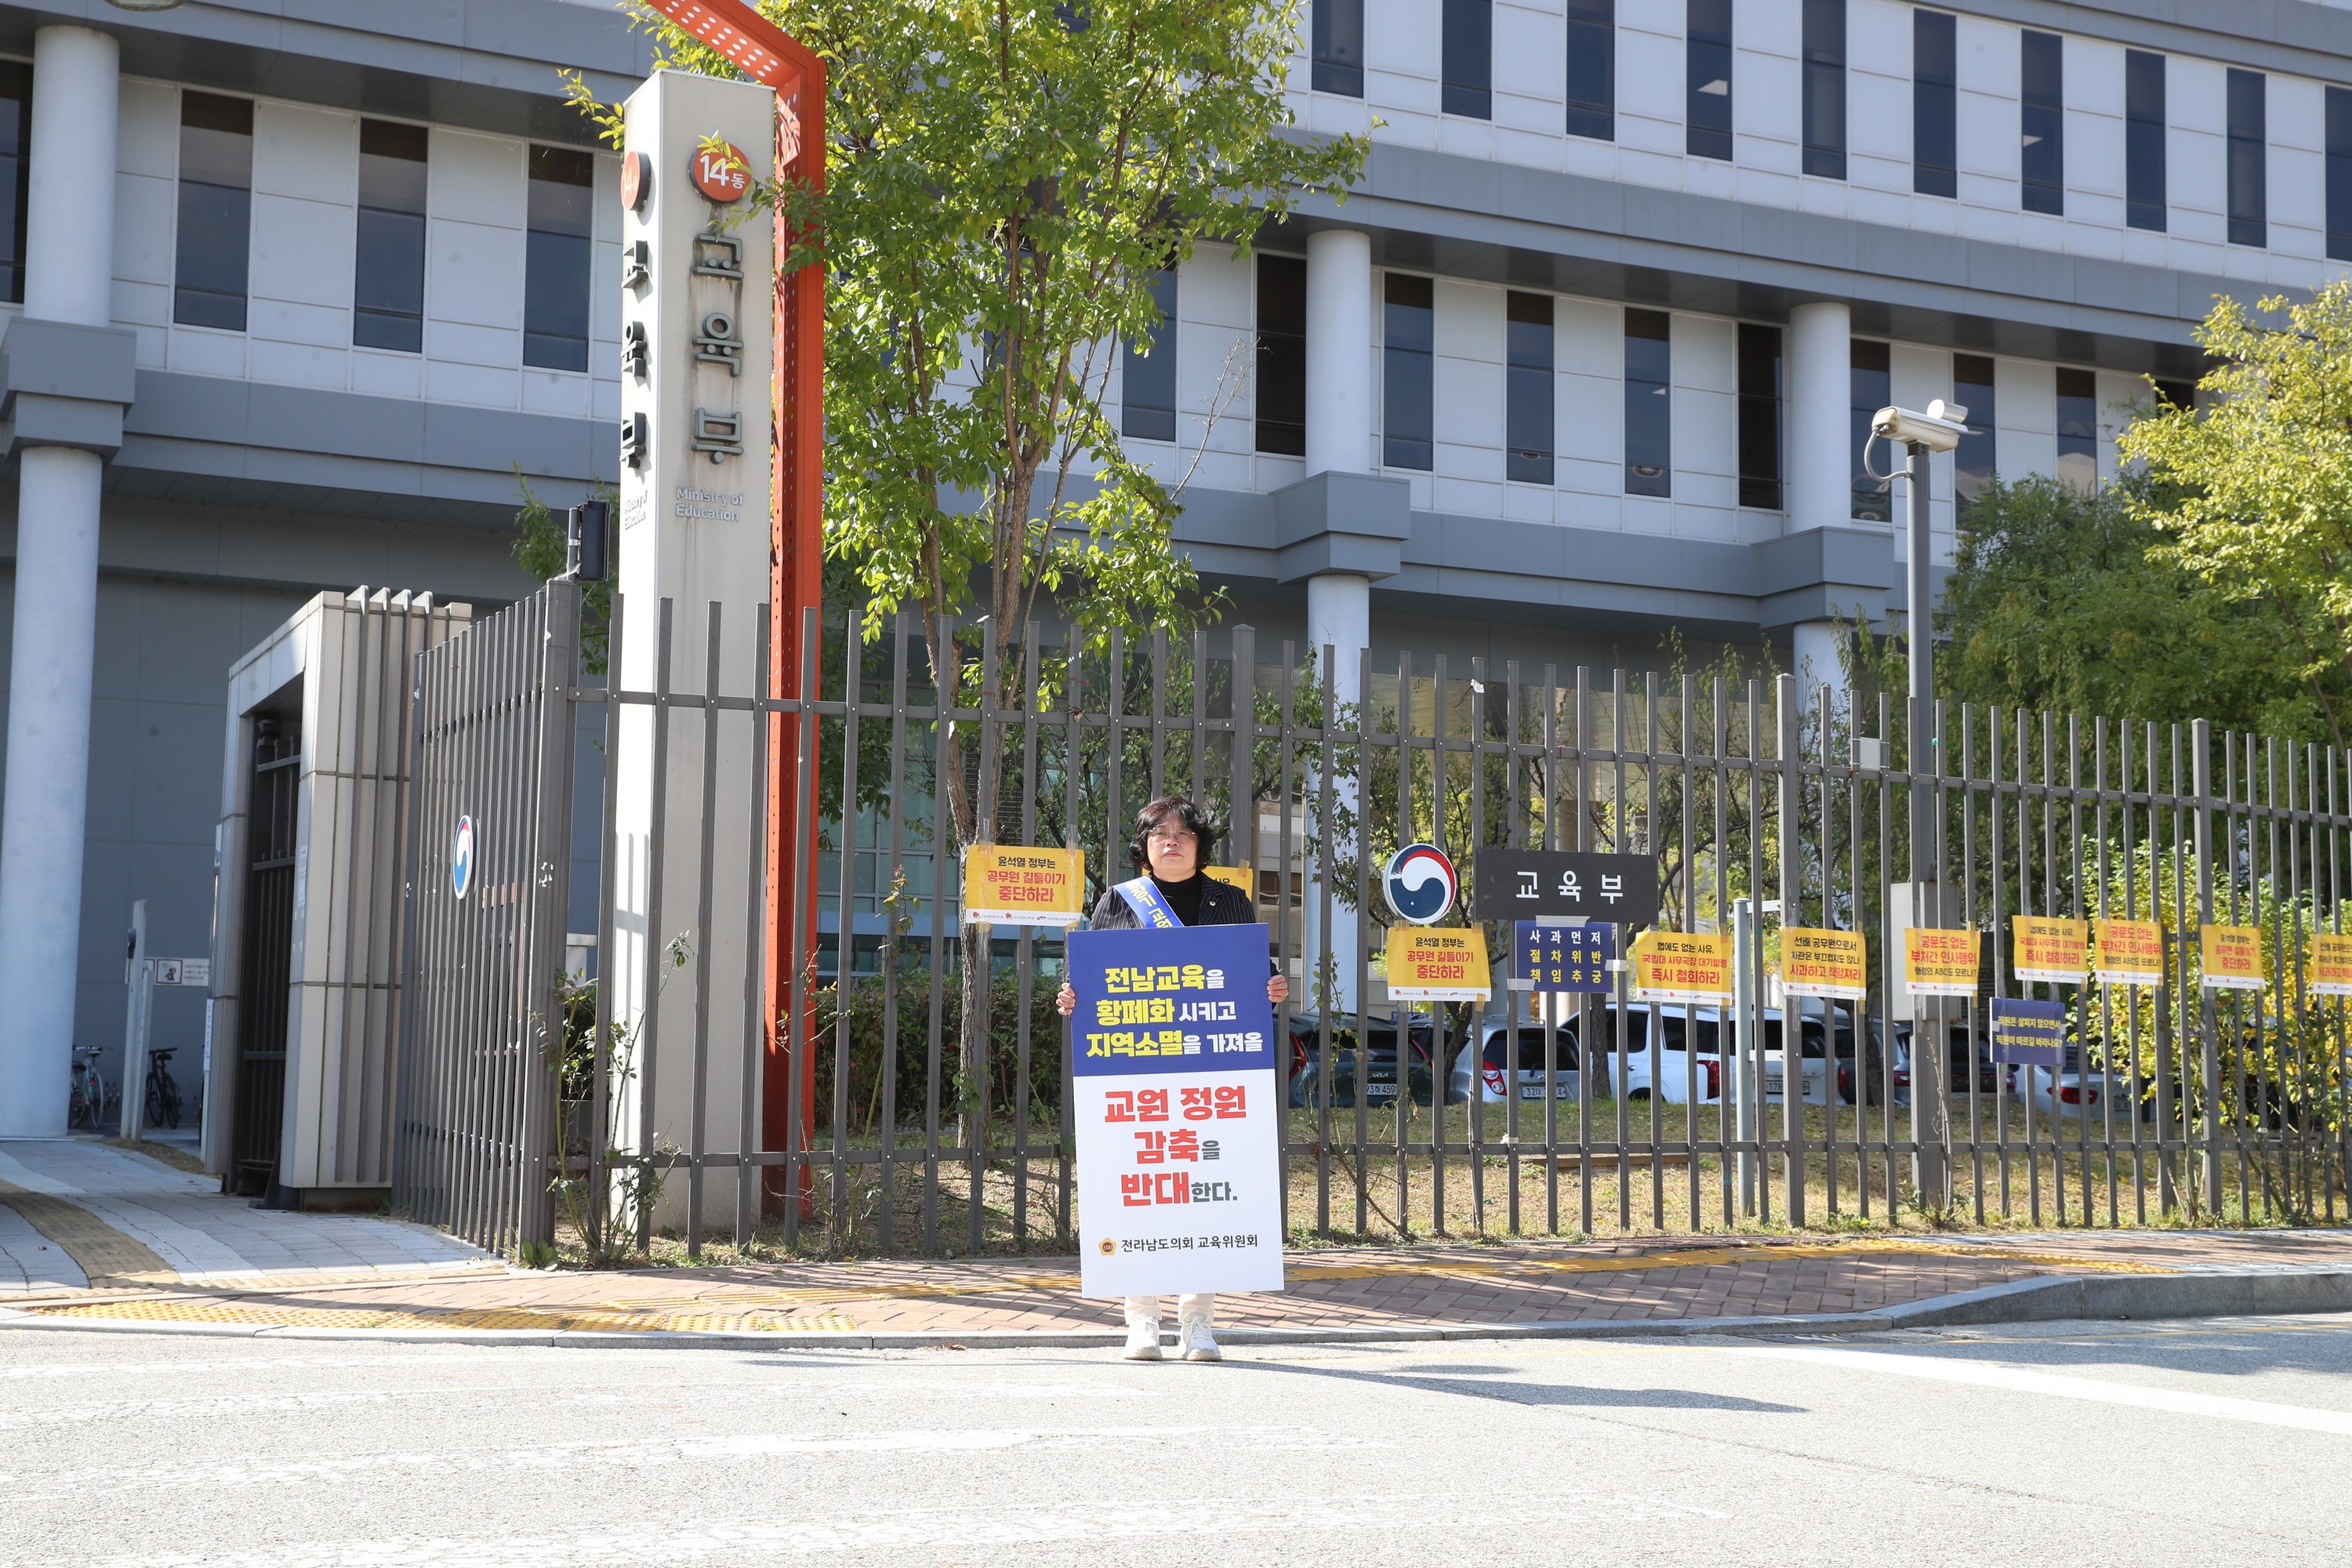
x: 765, y: 53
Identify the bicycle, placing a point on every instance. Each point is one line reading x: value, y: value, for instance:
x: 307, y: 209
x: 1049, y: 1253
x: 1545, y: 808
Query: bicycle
x: 163, y: 1094
x: 87, y: 1104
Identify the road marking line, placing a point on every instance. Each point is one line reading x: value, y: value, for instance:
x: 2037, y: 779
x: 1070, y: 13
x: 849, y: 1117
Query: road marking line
x: 2021, y: 1380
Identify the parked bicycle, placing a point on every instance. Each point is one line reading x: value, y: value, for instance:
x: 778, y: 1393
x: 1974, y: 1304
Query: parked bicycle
x: 163, y: 1094
x: 87, y: 1105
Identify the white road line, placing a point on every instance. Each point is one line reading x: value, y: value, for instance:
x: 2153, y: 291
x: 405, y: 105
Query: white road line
x: 2023, y: 1380
x: 831, y: 1534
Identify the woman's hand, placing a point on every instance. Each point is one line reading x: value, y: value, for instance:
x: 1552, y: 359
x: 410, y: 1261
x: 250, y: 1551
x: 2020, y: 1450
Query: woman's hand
x: 1065, y: 1000
x: 1278, y: 990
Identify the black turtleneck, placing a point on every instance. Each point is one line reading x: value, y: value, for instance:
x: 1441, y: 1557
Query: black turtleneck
x: 1184, y: 896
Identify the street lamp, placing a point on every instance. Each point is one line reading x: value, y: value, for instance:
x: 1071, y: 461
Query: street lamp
x: 1939, y: 429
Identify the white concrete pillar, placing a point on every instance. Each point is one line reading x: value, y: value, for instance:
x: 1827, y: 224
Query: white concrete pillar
x: 1339, y: 421
x: 1820, y: 402
x: 1338, y: 615
x: 69, y: 277
x: 1816, y: 662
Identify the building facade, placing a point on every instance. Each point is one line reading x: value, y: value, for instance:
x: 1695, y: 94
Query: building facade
x: 1586, y: 358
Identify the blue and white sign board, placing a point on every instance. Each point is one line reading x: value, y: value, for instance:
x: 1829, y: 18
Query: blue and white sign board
x: 1551, y: 957
x: 2030, y: 1034
x: 1420, y: 883
x: 1174, y: 1060
x: 461, y: 858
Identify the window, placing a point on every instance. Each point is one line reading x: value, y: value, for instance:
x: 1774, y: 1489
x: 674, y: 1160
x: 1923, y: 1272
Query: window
x: 15, y: 151
x: 555, y: 259
x: 1935, y: 104
x: 2340, y: 174
x: 1407, y: 412
x: 2041, y: 124
x: 216, y: 211
x: 1282, y: 352
x: 1649, y: 402
x: 2249, y: 155
x: 1708, y: 67
x: 1760, y: 416
x: 1592, y: 69
x: 2078, y: 429
x: 1339, y: 47
x: 1147, y: 376
x: 2144, y: 192
x: 1871, y: 389
x: 1527, y: 392
x: 2175, y: 393
x: 1976, y: 459
x: 1825, y: 107
x: 388, y: 288
x: 1469, y: 57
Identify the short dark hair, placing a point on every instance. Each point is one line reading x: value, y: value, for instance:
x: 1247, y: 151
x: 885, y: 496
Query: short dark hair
x: 1204, y: 831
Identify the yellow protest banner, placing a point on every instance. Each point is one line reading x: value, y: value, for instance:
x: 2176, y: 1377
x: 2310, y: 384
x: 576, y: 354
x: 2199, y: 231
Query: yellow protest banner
x: 1438, y: 964
x: 1240, y: 877
x: 2232, y: 956
x: 1823, y: 962
x: 2130, y: 952
x: 2049, y: 949
x: 2331, y: 965
x: 1681, y: 966
x: 1011, y: 884
x: 1938, y: 963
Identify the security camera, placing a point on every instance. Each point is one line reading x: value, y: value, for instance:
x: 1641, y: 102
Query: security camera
x: 1939, y: 429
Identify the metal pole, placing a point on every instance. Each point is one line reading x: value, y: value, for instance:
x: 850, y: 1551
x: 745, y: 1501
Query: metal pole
x: 1931, y: 1067
x: 140, y: 977
x: 1743, y: 1085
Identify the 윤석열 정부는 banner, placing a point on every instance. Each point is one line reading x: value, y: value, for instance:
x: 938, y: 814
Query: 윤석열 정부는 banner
x: 1172, y: 1060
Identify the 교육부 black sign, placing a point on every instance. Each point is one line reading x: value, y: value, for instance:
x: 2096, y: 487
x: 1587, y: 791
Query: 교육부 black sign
x: 1528, y: 884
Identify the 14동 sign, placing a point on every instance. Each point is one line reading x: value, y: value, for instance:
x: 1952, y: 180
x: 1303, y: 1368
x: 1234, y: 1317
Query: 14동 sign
x: 1172, y: 1060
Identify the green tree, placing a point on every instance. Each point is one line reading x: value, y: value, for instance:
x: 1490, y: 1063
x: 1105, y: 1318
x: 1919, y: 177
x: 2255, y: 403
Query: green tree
x: 1005, y: 179
x: 2075, y: 603
x: 2253, y: 492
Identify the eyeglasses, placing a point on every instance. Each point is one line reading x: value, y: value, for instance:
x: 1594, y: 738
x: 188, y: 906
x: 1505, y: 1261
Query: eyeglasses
x: 1172, y: 835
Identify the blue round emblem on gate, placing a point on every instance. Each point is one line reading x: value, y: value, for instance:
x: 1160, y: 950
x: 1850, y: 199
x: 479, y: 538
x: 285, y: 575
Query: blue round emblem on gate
x: 461, y: 857
x: 1420, y: 883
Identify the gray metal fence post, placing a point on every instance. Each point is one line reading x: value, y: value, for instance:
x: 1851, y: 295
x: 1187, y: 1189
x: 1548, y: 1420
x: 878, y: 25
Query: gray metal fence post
x: 1792, y: 890
x: 2208, y: 1059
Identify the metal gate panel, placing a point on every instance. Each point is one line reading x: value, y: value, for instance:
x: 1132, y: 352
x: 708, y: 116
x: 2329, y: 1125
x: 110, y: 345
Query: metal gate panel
x: 481, y: 1019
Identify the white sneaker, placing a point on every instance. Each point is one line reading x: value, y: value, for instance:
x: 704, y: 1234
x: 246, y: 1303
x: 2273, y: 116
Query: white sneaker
x: 1142, y: 1340
x: 1199, y: 1341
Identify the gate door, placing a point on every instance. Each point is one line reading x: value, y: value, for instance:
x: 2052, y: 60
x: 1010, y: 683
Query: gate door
x: 489, y: 846
x: 265, y: 985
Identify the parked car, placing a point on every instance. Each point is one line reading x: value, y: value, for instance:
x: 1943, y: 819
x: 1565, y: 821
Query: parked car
x: 1497, y: 1082
x: 1379, y: 1062
x: 1968, y: 1054
x: 1689, y: 1056
x: 2070, y: 1092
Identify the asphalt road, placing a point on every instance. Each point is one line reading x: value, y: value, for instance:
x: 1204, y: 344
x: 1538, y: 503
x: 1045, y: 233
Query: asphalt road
x: 2055, y: 1443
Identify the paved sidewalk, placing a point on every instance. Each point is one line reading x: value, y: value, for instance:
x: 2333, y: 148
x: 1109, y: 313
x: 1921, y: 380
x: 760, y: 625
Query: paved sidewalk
x: 77, y: 1215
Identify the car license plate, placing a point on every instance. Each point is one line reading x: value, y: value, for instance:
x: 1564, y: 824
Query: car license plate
x: 1379, y: 1091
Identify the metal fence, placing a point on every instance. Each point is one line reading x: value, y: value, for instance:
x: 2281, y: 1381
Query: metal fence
x: 926, y: 1111
x: 489, y: 813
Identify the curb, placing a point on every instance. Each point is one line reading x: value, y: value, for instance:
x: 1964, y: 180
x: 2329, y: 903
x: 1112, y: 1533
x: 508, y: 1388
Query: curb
x: 2046, y: 1299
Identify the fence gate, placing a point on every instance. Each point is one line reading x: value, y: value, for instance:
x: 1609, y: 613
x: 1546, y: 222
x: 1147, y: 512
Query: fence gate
x: 269, y: 953
x: 489, y: 825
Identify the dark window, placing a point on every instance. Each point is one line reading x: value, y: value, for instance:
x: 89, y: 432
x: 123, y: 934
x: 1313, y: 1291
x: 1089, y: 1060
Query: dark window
x: 1976, y: 460
x: 2248, y: 160
x: 1873, y: 389
x: 1339, y: 47
x: 1935, y: 104
x: 216, y: 211
x: 388, y: 293
x: 1527, y: 391
x: 1282, y: 352
x: 1592, y: 69
x: 1760, y: 416
x: 2176, y: 394
x: 1147, y: 376
x: 2340, y: 174
x: 556, y: 258
x: 16, y: 151
x: 1649, y: 401
x: 1824, y: 108
x: 1469, y: 57
x: 1706, y: 56
x: 2041, y: 124
x: 2078, y: 429
x: 1407, y: 412
x: 2144, y: 192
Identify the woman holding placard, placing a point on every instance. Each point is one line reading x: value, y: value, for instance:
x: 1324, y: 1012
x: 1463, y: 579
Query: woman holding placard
x: 1171, y: 842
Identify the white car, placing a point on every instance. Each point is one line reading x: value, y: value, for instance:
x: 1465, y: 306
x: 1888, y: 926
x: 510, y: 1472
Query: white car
x: 1496, y: 1081
x: 1688, y: 1057
x: 2070, y: 1091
